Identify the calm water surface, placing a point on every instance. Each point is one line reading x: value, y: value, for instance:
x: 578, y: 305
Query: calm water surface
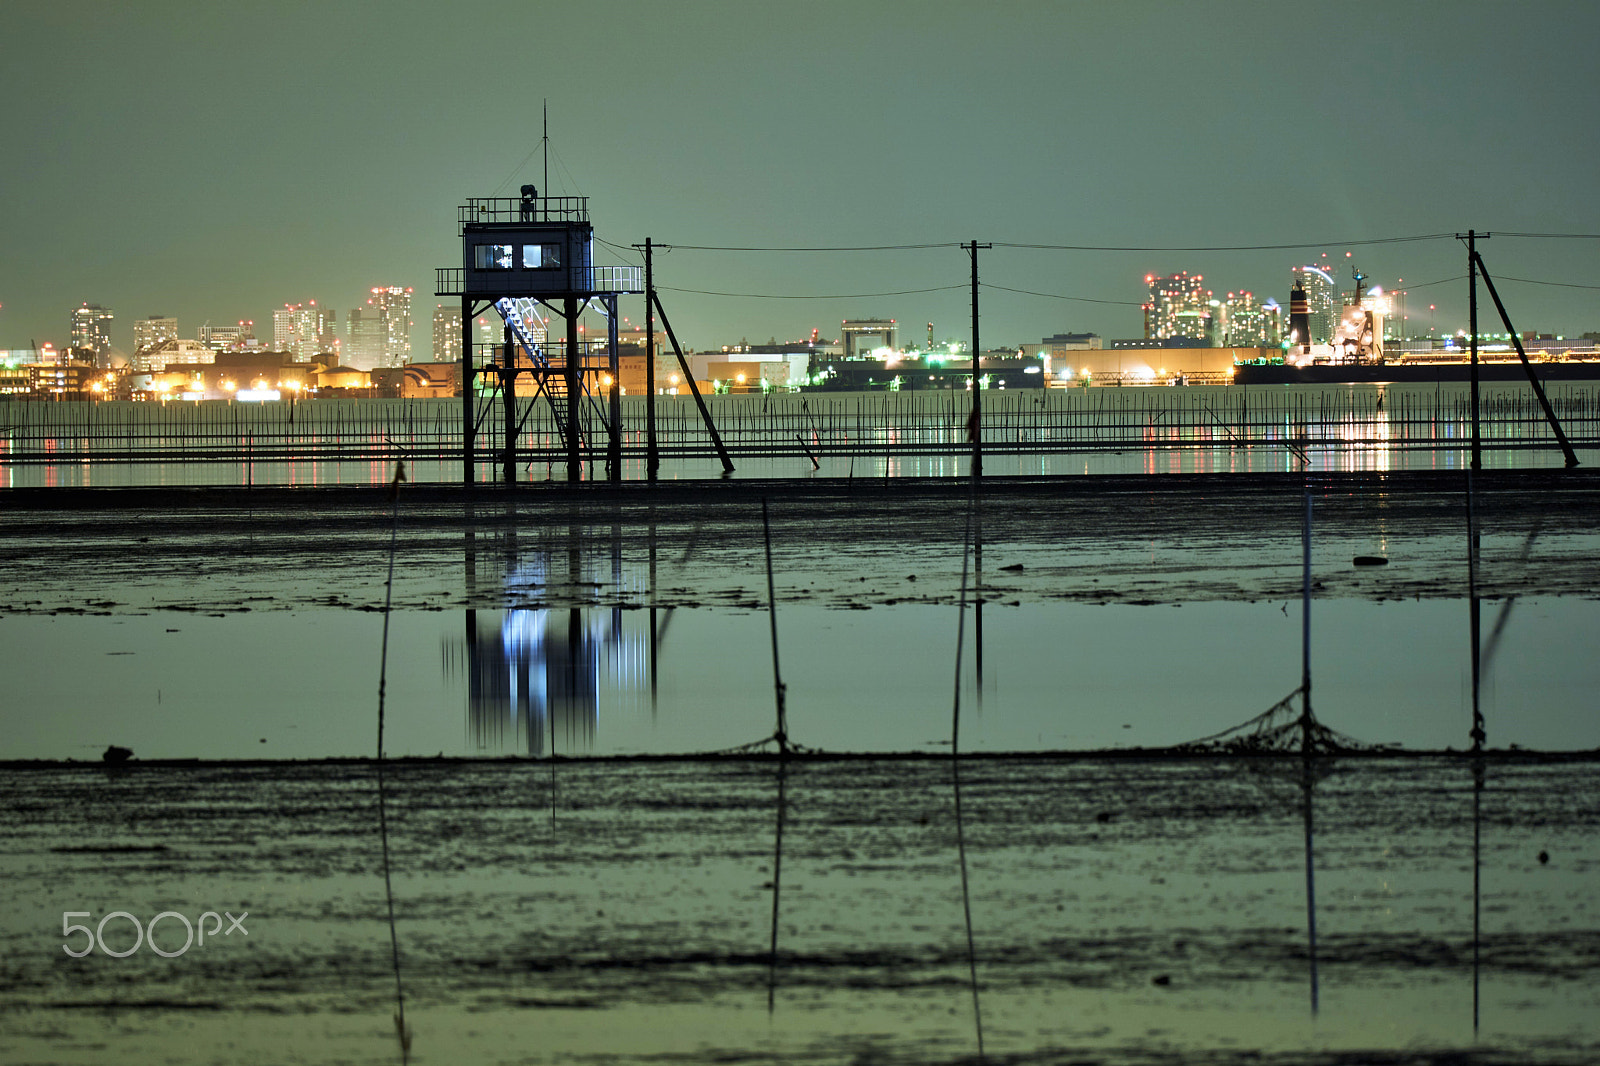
x: 303, y: 684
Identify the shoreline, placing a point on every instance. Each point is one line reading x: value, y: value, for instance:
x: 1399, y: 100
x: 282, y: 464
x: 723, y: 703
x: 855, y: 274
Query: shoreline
x: 42, y: 498
x: 1501, y: 756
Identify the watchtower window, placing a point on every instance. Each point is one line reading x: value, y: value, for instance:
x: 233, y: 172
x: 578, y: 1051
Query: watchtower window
x: 541, y: 256
x: 492, y: 256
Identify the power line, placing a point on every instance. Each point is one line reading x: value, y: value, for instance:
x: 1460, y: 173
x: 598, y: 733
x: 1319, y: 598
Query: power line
x: 1225, y: 247
x: 620, y: 249
x: 664, y: 247
x: 1557, y: 236
x: 836, y: 296
x: 863, y: 248
x: 1058, y: 296
x: 1557, y: 284
x: 1428, y: 284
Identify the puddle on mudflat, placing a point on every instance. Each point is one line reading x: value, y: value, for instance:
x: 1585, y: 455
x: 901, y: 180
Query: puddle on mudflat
x: 1055, y: 676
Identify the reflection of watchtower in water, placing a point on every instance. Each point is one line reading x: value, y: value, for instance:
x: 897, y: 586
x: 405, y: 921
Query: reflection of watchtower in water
x: 533, y: 682
x: 530, y: 258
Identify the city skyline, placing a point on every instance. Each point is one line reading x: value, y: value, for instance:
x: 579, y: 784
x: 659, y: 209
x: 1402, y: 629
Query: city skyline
x: 307, y: 328
x: 337, y: 160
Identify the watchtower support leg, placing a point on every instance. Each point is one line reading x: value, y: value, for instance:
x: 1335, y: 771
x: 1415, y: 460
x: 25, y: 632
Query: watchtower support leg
x: 468, y: 459
x: 574, y: 390
x: 508, y: 400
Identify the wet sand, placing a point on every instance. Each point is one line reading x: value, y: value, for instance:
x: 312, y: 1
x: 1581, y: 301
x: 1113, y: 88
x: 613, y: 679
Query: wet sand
x: 848, y: 544
x: 1123, y: 911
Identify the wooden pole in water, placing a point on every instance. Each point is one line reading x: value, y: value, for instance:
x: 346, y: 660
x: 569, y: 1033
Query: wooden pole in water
x: 1474, y: 623
x: 782, y: 733
x: 1477, y: 883
x: 777, y: 883
x: 1307, y: 745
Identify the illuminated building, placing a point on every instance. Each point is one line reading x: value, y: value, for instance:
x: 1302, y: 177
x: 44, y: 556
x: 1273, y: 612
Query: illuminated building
x: 173, y: 351
x: 149, y: 332
x: 446, y: 333
x: 854, y: 331
x: 304, y: 330
x: 91, y: 328
x: 226, y: 338
x: 1178, y: 306
x: 365, y: 347
x: 64, y: 380
x: 1073, y: 342
x: 380, y: 330
x: 393, y: 305
x: 285, y: 330
x: 1248, y: 324
x: 1322, y: 300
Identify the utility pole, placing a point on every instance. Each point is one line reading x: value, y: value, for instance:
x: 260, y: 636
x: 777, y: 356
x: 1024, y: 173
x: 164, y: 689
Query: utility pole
x: 975, y: 421
x: 1472, y: 327
x: 652, y: 454
x: 614, y: 446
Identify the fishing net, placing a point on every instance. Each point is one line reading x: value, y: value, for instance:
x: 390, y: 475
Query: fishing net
x: 1285, y: 728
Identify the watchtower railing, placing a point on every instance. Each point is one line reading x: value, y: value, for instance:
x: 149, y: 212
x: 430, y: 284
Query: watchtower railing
x: 452, y: 281
x: 516, y: 209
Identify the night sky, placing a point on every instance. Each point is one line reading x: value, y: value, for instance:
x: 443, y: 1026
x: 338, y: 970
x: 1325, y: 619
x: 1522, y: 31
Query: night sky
x: 214, y: 161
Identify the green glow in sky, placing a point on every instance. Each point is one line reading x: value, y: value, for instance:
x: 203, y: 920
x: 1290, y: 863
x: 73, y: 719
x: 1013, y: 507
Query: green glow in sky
x: 213, y: 162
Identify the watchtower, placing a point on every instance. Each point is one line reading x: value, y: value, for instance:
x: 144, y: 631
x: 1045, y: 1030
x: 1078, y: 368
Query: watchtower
x: 520, y: 255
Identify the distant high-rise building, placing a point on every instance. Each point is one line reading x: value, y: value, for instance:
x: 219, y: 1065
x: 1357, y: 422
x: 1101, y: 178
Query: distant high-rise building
x: 285, y: 332
x: 227, y: 338
x: 380, y: 330
x: 364, y: 350
x: 1178, y: 306
x: 446, y: 333
x: 326, y: 324
x: 305, y: 330
x: 1248, y: 324
x: 149, y: 332
x: 1322, y: 300
x: 394, y: 313
x: 91, y: 329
